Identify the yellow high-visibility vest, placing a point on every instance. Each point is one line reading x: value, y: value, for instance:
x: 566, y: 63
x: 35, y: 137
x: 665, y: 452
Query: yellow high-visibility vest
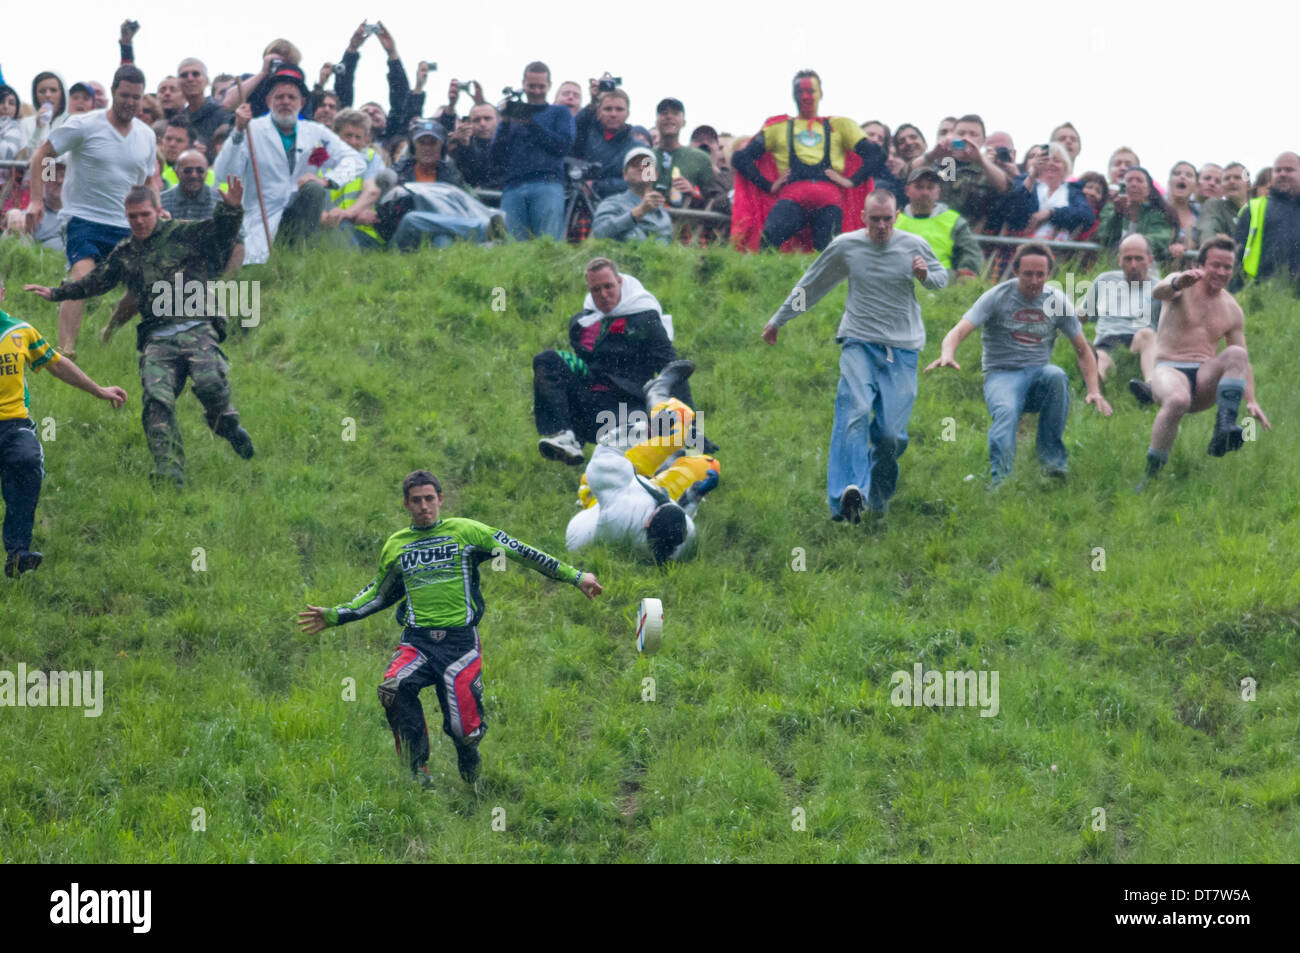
x: 347, y: 194
x: 1255, y: 238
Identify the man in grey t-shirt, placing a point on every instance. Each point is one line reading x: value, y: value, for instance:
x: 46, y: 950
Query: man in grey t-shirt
x: 881, y: 335
x: 1126, y: 313
x: 1020, y: 319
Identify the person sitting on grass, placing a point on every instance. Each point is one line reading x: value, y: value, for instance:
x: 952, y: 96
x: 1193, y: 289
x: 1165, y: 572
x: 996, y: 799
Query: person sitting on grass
x: 431, y: 568
x: 620, y: 340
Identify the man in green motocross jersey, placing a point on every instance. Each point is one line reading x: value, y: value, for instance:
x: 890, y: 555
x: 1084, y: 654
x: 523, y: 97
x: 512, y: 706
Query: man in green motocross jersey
x: 431, y: 568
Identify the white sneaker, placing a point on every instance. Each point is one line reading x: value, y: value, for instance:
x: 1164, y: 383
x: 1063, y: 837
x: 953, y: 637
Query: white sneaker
x: 562, y: 446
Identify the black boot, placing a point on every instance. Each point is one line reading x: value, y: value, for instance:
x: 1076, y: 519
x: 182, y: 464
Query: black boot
x: 1227, y: 435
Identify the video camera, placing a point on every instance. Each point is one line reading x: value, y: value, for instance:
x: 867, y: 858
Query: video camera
x: 517, y: 106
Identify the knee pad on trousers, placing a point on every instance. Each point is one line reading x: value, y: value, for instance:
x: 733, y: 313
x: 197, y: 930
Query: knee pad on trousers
x: 388, y: 692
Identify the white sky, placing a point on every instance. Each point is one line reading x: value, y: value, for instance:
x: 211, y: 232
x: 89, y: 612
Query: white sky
x: 1191, y: 81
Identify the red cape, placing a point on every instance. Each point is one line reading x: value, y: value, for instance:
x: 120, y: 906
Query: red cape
x: 750, y: 206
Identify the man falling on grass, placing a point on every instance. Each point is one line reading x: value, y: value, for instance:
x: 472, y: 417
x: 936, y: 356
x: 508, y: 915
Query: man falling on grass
x: 162, y: 264
x: 431, y: 568
x: 1189, y: 376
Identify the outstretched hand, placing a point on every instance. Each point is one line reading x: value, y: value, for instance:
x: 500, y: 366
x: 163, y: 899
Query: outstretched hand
x: 312, y: 620
x: 942, y: 361
x: 1255, y: 411
x: 39, y: 290
x: 1100, y: 403
x: 114, y: 395
x: 589, y: 586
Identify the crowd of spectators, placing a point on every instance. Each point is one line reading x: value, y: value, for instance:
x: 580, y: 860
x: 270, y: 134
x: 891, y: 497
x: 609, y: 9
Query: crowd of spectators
x: 472, y: 169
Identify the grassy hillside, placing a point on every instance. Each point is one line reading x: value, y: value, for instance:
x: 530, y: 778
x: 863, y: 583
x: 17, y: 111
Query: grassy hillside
x: 772, y: 691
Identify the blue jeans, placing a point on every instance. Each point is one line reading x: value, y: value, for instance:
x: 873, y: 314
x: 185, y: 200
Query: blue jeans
x: 1044, y: 390
x: 536, y: 207
x: 441, y: 229
x: 872, y: 407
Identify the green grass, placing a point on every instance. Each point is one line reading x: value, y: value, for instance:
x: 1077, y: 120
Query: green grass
x: 772, y: 689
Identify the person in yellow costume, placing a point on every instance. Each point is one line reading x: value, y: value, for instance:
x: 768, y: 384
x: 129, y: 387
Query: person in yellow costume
x: 646, y: 495
x: 803, y: 171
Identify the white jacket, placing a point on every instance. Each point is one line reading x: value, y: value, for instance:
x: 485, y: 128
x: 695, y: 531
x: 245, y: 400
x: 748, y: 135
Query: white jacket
x: 622, y: 508
x: 279, y: 181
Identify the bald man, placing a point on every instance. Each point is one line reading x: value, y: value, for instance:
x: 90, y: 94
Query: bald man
x: 1126, y: 313
x: 1268, y: 229
x: 880, y: 337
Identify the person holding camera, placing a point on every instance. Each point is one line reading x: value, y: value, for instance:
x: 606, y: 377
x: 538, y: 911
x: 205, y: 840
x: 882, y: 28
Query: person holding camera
x: 638, y: 213
x: 530, y: 144
x: 470, y: 147
x: 604, y: 135
x: 973, y: 181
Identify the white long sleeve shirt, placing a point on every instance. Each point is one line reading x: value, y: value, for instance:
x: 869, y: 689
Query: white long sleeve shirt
x: 279, y: 177
x: 622, y: 507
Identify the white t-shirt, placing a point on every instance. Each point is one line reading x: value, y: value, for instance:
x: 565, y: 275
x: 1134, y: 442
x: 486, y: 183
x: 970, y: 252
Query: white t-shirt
x: 1051, y: 201
x: 102, y: 165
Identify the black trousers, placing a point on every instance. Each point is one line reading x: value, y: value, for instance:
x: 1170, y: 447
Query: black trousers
x: 450, y: 661
x: 788, y: 217
x: 22, y: 468
x: 564, y: 400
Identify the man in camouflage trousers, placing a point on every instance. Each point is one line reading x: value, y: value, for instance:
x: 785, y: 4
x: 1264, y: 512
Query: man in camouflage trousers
x: 166, y: 265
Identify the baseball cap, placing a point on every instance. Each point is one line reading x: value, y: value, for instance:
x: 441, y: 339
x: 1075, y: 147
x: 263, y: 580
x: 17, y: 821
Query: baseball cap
x: 670, y: 103
x: 428, y: 127
x: 923, y: 172
x: 638, y: 151
x: 80, y: 88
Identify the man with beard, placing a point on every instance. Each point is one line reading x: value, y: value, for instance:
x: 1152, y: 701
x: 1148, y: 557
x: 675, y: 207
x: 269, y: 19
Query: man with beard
x: 290, y: 152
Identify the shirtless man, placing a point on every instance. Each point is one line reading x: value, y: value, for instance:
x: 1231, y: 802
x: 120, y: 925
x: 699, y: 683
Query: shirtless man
x: 1189, y: 377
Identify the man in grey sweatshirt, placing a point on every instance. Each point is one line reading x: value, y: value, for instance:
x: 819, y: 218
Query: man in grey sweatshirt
x: 639, y: 212
x: 880, y: 337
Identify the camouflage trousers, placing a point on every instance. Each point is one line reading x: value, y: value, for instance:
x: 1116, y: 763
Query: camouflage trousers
x: 164, y: 367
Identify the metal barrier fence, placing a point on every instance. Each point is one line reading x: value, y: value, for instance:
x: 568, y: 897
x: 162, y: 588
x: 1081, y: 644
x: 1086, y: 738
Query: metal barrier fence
x: 687, y: 216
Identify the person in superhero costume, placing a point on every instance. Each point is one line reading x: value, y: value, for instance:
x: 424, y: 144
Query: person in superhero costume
x: 803, y: 179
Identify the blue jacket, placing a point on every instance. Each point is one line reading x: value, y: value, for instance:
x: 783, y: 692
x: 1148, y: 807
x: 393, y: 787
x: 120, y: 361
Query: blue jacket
x: 534, y: 151
x: 1020, y: 203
